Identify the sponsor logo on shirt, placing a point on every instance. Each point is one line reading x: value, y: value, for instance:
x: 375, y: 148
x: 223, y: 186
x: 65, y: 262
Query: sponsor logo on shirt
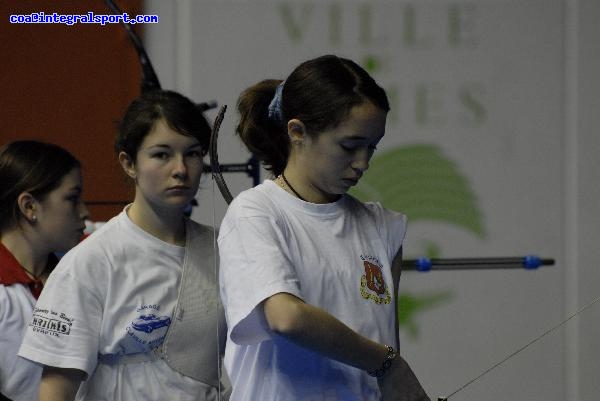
x: 150, y: 327
x: 50, y: 322
x: 372, y: 284
x: 148, y: 323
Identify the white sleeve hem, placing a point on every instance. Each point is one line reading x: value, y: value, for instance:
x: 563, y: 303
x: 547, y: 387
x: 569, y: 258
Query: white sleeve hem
x: 55, y: 360
x: 250, y: 326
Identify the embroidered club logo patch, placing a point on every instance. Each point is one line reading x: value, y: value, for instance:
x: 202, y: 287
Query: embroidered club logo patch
x: 372, y: 284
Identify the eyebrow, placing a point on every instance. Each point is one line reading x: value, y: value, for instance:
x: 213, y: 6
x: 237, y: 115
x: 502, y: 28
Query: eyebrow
x: 166, y: 146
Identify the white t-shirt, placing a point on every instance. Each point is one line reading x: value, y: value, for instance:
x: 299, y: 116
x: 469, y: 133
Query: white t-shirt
x: 18, y: 376
x: 336, y: 256
x: 114, y: 294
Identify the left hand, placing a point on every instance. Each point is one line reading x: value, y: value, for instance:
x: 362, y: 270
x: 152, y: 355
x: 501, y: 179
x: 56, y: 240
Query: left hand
x: 400, y: 383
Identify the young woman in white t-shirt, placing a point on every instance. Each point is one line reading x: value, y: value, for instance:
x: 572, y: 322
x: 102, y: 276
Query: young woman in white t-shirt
x: 132, y: 313
x: 41, y: 212
x: 309, y: 274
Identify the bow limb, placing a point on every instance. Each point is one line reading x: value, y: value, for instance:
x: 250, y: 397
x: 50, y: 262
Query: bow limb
x: 149, y: 78
x: 214, y: 156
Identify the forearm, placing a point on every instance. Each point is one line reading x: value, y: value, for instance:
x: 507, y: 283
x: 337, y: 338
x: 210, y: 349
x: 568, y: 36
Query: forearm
x: 59, y: 384
x: 317, y: 330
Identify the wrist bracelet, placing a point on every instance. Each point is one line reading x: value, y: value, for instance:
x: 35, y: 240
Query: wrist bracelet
x: 387, y: 363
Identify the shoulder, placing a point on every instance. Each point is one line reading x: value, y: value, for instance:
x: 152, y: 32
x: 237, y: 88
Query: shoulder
x: 256, y: 201
x: 376, y: 211
x: 201, y: 231
x: 99, y: 247
x: 16, y: 303
x: 107, y: 234
x: 254, y: 210
x: 198, y: 227
x: 390, y: 224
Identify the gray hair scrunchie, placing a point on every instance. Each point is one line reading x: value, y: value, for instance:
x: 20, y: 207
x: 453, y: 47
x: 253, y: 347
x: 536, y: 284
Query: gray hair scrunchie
x: 275, y: 113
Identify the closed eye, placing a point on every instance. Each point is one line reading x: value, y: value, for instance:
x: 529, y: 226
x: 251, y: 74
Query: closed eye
x: 74, y: 198
x: 355, y: 147
x: 160, y: 155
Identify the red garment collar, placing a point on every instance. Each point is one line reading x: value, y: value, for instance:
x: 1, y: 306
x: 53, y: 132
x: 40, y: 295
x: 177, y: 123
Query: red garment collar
x: 11, y: 272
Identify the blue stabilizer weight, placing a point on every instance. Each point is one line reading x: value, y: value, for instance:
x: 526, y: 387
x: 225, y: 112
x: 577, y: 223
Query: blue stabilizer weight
x: 423, y: 264
x: 532, y: 262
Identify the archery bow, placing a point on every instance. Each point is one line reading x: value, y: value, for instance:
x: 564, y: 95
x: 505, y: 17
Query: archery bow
x: 150, y: 82
x: 214, y: 157
x: 149, y: 78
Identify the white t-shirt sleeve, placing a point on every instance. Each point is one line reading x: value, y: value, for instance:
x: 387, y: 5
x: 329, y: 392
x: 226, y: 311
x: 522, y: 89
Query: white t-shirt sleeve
x: 391, y: 226
x: 64, y: 330
x: 254, y: 266
x: 19, y: 378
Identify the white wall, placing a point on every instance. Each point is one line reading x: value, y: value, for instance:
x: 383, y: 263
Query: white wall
x: 505, y: 90
x: 583, y: 247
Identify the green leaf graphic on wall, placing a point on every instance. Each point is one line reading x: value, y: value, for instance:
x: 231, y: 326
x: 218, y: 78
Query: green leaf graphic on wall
x: 423, y: 184
x: 409, y: 305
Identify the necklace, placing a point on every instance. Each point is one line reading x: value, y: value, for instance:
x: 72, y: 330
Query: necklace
x: 291, y: 187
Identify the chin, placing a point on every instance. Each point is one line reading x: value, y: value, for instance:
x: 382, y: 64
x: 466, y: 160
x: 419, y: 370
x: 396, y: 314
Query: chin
x: 341, y: 191
x: 177, y: 201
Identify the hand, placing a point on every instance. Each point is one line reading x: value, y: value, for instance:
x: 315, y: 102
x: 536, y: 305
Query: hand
x: 399, y: 383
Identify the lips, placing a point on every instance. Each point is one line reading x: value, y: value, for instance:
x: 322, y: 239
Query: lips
x: 178, y: 188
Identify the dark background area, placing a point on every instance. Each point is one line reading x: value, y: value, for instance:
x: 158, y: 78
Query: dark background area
x: 69, y: 85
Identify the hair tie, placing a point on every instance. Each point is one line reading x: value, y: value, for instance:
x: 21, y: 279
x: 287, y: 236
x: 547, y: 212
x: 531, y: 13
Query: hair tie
x: 275, y: 113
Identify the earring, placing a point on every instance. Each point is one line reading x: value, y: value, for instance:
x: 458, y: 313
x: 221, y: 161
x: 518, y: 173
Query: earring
x: 33, y: 218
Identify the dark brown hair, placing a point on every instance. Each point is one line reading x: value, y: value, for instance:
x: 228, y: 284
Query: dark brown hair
x: 320, y: 92
x: 179, y: 112
x: 30, y: 166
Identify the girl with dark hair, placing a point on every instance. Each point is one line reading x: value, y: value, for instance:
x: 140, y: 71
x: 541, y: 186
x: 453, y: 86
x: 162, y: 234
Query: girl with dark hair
x: 309, y: 274
x: 134, y: 306
x: 41, y: 212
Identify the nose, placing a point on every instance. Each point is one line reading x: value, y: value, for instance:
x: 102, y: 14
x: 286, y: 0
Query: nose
x: 361, y: 160
x: 180, y: 168
x: 84, y: 213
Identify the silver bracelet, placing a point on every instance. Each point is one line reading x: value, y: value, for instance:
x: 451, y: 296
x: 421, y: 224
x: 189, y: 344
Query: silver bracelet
x: 387, y: 363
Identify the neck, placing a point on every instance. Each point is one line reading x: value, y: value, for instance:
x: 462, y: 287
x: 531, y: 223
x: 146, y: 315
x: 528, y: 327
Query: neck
x: 291, y: 188
x: 32, y: 258
x: 167, y: 225
x: 299, y: 186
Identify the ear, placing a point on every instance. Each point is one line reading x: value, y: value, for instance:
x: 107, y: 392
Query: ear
x: 296, y: 131
x: 28, y: 206
x: 127, y: 164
